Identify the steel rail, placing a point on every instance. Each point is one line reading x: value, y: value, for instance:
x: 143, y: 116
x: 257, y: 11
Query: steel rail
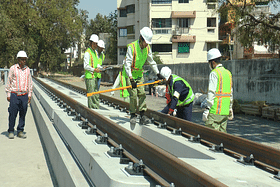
x: 265, y: 156
x: 161, y: 162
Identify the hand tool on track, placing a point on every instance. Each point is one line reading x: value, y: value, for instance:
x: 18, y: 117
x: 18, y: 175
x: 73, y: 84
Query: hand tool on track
x: 122, y: 88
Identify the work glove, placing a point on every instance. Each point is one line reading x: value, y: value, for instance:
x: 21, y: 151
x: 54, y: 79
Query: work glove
x: 170, y: 112
x: 205, y: 115
x: 160, y: 77
x: 112, y: 93
x: 230, y: 116
x: 133, y: 83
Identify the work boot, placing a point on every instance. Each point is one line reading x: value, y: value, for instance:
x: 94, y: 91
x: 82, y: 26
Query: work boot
x: 133, y: 119
x: 11, y: 135
x: 144, y: 120
x: 21, y: 135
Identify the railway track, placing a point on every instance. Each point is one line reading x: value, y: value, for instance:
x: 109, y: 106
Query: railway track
x: 162, y: 166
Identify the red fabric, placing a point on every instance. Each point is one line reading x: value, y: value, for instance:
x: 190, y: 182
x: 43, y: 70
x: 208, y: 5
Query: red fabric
x: 167, y: 95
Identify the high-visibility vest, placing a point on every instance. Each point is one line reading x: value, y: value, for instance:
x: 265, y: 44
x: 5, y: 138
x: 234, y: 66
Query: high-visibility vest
x: 138, y: 60
x: 223, y: 92
x: 99, y: 61
x: 123, y: 93
x: 190, y: 96
x: 93, y: 63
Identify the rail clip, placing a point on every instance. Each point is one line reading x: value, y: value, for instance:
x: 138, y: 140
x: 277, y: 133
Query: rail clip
x: 135, y: 169
x: 217, y: 148
x: 249, y: 160
x: 102, y: 139
x: 115, y: 151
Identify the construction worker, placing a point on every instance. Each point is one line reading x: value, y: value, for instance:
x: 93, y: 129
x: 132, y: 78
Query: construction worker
x: 100, y: 57
x: 137, y: 53
x: 19, y: 90
x: 219, y: 98
x: 91, y: 71
x: 121, y: 81
x: 179, y: 95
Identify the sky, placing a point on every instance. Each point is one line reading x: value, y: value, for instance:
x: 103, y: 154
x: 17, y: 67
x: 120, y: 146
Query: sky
x: 104, y: 7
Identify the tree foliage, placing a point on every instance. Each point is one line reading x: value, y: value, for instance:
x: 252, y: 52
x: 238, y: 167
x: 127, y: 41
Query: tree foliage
x: 251, y: 23
x: 43, y: 28
x: 105, y: 24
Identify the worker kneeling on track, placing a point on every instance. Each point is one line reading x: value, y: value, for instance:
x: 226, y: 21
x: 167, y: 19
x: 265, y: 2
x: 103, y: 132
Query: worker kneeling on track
x: 179, y: 95
x: 137, y: 53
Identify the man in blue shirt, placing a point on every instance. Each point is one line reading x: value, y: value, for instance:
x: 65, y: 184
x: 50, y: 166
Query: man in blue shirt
x: 179, y: 95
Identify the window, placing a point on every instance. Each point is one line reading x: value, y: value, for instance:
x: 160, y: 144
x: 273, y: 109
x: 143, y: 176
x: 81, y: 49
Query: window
x: 183, y: 1
x: 123, y: 33
x: 161, y: 1
x: 211, y: 6
x: 211, y: 22
x: 122, y: 12
x: 161, y: 23
x: 183, y: 47
x: 130, y: 9
x: 210, y: 46
x: 131, y: 29
x: 161, y: 47
x: 123, y: 51
x: 183, y: 22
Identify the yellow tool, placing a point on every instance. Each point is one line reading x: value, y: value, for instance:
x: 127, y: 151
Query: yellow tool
x: 121, y: 88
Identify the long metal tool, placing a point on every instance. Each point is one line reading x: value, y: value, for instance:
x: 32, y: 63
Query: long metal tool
x: 122, y: 88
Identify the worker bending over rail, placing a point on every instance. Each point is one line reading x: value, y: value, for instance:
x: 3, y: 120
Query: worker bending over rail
x: 137, y: 53
x: 179, y: 95
x: 219, y: 98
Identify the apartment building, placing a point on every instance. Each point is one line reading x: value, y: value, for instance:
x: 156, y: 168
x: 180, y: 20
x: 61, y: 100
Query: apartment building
x: 184, y: 30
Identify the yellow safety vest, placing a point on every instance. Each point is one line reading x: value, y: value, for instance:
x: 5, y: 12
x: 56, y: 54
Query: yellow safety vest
x: 223, y: 92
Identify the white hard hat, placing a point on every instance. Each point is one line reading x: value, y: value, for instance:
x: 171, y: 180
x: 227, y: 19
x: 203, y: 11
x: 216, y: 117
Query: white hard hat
x: 22, y: 54
x: 94, y: 38
x: 165, y: 72
x: 101, y: 44
x: 213, y: 54
x: 147, y: 34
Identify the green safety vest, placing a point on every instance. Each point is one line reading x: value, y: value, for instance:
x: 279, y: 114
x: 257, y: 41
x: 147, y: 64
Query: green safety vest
x: 223, y: 92
x: 93, y: 63
x: 138, y: 60
x: 99, y: 61
x: 123, y: 93
x: 190, y: 96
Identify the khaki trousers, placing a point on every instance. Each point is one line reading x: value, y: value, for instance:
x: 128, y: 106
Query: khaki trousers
x: 92, y: 86
x: 135, y: 93
x: 217, y: 122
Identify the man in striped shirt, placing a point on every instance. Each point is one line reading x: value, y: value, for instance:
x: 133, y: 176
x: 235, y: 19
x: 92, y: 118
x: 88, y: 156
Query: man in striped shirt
x: 19, y: 90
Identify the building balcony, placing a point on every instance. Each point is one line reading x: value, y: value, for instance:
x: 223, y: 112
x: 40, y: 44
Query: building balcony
x: 183, y: 38
x: 162, y: 31
x: 211, y: 1
x: 183, y: 14
x: 181, y: 30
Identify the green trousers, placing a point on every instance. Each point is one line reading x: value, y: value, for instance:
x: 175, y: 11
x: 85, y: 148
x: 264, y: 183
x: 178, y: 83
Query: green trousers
x: 92, y: 86
x: 217, y: 122
x: 136, y: 93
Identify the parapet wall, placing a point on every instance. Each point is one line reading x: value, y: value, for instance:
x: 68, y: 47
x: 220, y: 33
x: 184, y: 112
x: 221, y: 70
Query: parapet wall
x: 253, y: 80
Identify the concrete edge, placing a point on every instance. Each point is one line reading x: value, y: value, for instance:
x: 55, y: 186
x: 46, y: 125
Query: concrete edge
x: 66, y: 171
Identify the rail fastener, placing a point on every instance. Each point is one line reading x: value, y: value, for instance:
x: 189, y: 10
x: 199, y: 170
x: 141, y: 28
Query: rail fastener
x: 217, y: 148
x: 115, y: 151
x: 135, y: 168
x: 195, y: 139
x: 102, y: 139
x: 248, y: 160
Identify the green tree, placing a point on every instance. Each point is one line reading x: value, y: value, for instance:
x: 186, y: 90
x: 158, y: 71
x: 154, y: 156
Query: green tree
x: 251, y: 26
x: 43, y: 28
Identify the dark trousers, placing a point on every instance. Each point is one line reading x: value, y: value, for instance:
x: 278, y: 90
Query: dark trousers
x: 18, y: 104
x: 184, y: 112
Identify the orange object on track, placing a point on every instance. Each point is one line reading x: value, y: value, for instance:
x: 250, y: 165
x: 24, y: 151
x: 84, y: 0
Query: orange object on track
x: 121, y: 88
